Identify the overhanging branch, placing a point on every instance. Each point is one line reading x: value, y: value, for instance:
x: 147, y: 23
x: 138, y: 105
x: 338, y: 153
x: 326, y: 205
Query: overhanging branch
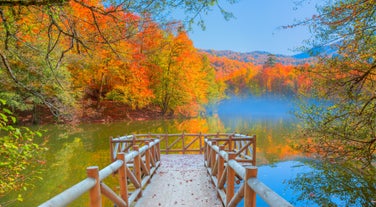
x: 31, y: 2
x: 54, y: 110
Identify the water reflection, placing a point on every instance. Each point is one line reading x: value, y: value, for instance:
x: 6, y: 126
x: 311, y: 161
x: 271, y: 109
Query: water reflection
x: 275, y: 177
x: 273, y: 136
x: 268, y: 106
x: 73, y: 148
x: 329, y: 184
x: 302, y: 182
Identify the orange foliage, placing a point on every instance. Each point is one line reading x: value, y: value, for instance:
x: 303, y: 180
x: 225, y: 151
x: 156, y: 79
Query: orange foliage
x: 244, y: 77
x: 137, y: 62
x: 128, y: 58
x: 193, y: 126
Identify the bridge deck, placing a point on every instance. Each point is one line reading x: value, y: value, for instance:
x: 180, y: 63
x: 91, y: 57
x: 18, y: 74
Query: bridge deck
x: 181, y: 180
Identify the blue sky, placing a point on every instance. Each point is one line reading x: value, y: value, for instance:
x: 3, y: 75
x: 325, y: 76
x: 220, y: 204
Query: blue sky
x: 255, y: 27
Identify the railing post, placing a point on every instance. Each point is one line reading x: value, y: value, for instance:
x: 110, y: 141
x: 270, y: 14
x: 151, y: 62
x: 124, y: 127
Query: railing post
x: 123, y: 182
x: 153, y: 153
x: 221, y: 163
x: 111, y: 150
x: 205, y: 152
x: 95, y: 192
x: 212, y: 156
x: 152, y: 149
x: 166, y: 141
x: 230, y: 143
x: 158, y: 156
x: 183, y: 144
x: 137, y: 167
x: 133, y: 140
x: 147, y: 157
x: 208, y: 154
x: 254, y: 151
x: 249, y: 194
x: 200, y: 144
x: 230, y: 179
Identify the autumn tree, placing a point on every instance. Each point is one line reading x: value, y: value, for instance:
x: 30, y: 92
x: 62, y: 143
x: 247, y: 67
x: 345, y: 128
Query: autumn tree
x: 279, y: 79
x: 49, y: 31
x: 181, y: 79
x: 121, y: 75
x: 134, y: 82
x: 344, y: 127
x: 173, y: 63
x: 216, y: 87
x: 29, y: 76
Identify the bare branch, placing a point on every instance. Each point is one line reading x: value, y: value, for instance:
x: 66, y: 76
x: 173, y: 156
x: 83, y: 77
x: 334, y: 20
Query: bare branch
x: 31, y: 2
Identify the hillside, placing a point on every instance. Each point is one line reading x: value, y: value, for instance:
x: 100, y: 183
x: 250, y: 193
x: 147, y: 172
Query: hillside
x: 260, y: 57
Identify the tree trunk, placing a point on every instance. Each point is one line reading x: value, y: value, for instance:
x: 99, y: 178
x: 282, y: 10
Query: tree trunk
x: 100, y: 91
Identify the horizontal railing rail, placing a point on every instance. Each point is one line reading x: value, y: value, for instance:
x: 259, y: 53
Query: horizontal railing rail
x: 225, y: 170
x: 183, y: 143
x: 137, y: 166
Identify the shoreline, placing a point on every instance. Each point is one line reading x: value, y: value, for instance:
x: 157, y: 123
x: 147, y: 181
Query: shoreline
x: 107, y: 112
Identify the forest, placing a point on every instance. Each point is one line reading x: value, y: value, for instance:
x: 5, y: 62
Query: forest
x: 120, y: 58
x: 79, y: 60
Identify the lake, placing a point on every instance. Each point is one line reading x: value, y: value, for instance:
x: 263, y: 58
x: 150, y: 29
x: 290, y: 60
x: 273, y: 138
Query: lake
x: 301, y: 180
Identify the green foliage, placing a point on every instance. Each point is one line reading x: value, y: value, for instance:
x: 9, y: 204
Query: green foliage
x: 20, y: 155
x: 15, y: 101
x: 115, y: 95
x: 31, y: 72
x: 216, y: 89
x: 344, y: 129
x: 174, y: 67
x: 271, y: 61
x: 338, y: 131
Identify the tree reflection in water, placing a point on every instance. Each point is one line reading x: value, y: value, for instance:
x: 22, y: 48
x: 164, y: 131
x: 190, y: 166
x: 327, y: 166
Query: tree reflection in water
x: 331, y: 184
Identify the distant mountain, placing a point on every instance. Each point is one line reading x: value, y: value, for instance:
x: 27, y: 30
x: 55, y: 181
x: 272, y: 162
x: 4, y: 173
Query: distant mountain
x: 328, y: 50
x: 260, y: 57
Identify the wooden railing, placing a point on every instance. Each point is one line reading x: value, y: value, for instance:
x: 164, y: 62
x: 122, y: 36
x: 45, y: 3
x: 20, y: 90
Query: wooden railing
x: 137, y: 166
x: 230, y: 158
x: 228, y: 164
x: 184, y: 143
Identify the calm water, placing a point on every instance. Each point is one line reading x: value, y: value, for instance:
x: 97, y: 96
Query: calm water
x: 302, y: 181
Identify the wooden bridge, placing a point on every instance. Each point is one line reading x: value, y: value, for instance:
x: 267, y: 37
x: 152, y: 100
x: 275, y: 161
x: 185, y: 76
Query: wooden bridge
x: 176, y: 170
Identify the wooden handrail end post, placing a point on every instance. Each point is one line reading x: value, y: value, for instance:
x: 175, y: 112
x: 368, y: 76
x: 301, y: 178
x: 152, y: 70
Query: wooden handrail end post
x: 95, y: 192
x: 249, y: 194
